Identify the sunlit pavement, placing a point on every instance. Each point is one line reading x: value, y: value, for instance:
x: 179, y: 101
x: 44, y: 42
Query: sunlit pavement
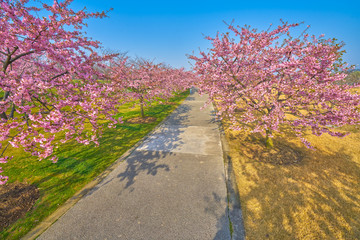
x: 171, y: 187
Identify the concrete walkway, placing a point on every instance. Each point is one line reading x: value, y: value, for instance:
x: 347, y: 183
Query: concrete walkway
x: 171, y: 187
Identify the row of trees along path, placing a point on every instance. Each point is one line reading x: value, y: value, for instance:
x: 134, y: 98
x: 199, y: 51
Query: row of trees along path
x: 53, y: 82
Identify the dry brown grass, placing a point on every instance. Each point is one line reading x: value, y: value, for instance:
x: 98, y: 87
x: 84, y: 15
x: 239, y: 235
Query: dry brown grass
x: 291, y: 192
x: 141, y: 120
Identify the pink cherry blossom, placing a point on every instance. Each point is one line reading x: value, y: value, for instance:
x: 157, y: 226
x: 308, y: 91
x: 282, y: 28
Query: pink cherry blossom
x: 146, y: 81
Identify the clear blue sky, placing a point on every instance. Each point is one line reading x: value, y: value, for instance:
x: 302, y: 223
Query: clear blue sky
x: 167, y: 30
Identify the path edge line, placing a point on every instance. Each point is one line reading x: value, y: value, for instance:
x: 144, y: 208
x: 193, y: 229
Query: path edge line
x: 234, y: 206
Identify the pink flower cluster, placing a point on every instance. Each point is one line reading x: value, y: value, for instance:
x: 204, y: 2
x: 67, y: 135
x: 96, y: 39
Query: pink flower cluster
x: 146, y: 81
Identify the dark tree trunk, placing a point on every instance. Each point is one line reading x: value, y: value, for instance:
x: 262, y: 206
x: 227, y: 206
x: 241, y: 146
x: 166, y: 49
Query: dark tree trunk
x: 12, y: 111
x: 3, y: 114
x: 142, y: 107
x: 268, y: 141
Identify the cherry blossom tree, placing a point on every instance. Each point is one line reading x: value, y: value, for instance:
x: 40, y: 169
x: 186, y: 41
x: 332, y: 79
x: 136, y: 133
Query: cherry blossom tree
x: 180, y: 79
x: 49, y: 86
x: 146, y: 81
x: 264, y: 80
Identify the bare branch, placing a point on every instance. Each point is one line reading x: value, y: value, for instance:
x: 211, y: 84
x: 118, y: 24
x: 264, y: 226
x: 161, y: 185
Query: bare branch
x: 21, y: 55
x: 59, y: 75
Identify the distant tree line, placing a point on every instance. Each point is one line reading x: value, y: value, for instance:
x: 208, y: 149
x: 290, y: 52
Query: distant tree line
x: 353, y: 78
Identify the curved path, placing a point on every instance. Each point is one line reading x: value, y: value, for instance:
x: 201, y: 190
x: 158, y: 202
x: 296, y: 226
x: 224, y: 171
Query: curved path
x: 171, y: 187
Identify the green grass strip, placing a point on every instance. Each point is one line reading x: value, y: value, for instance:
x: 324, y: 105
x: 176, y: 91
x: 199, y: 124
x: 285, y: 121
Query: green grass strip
x: 77, y: 164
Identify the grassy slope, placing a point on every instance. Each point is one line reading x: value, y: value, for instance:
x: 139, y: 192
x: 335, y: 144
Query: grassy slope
x: 316, y: 198
x: 77, y: 165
